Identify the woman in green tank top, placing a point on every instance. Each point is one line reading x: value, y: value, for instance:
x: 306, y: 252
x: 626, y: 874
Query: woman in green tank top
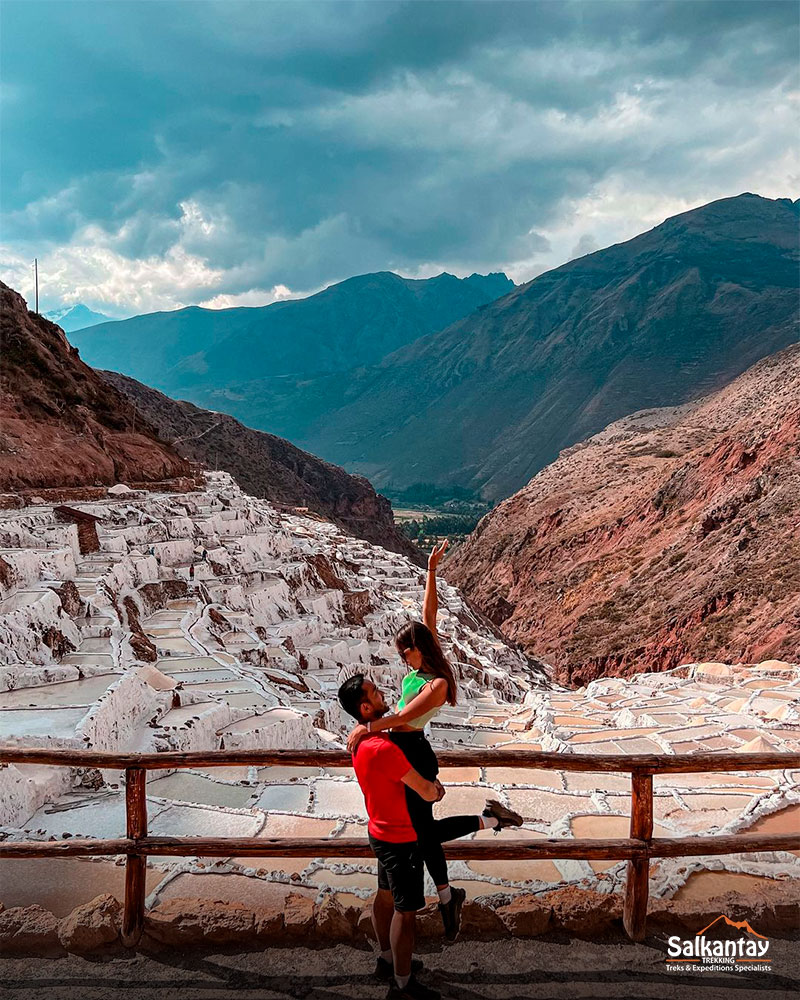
x: 430, y: 683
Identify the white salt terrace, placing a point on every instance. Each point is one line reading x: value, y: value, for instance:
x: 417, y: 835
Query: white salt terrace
x: 253, y: 658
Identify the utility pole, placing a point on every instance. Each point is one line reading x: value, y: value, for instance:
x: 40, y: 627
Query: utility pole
x: 36, y: 281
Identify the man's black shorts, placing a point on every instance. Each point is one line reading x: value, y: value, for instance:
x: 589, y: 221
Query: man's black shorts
x: 400, y: 870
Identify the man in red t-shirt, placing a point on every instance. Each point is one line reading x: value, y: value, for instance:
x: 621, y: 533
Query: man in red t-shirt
x: 383, y: 773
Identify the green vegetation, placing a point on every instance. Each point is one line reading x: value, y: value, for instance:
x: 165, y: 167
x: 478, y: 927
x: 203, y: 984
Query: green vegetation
x: 428, y: 530
x: 431, y: 495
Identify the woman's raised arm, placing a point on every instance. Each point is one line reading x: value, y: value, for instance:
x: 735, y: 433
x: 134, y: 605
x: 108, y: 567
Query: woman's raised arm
x: 430, y: 604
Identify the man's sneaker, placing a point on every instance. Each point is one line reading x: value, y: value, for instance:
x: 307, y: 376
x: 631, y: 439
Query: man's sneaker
x: 505, y: 817
x: 413, y: 990
x: 385, y: 970
x: 451, y: 913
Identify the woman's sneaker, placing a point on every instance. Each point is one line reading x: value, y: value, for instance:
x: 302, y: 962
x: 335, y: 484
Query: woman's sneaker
x: 451, y: 912
x: 413, y: 990
x: 505, y: 817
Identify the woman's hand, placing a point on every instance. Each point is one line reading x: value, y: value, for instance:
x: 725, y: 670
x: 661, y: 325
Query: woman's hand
x: 436, y: 554
x: 355, y: 737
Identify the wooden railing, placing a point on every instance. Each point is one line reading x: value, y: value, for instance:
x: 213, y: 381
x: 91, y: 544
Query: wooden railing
x: 637, y: 849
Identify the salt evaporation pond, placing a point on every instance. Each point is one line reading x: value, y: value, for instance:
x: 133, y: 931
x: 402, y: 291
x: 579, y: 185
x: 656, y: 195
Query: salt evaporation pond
x: 59, y: 884
x: 59, y: 723
x: 188, y: 787
x: 301, y: 641
x: 81, y: 692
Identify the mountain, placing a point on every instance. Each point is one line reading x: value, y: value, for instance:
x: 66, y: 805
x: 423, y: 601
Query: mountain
x: 62, y: 424
x: 266, y: 466
x: 355, y: 322
x: 76, y: 317
x: 738, y: 925
x: 486, y: 403
x: 670, y: 537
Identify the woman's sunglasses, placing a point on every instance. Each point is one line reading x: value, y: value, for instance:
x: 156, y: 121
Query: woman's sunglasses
x: 404, y: 654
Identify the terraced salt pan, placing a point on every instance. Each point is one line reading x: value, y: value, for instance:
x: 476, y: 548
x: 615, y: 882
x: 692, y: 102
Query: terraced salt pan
x: 702, y: 886
x: 22, y: 599
x: 608, y: 827
x: 343, y: 880
x: 188, y: 787
x: 81, y: 692
x: 338, y: 797
x: 179, y: 716
x: 262, y: 721
x: 224, y: 773
x: 59, y: 884
x: 784, y: 821
x: 248, y: 699
x: 173, y: 664
x: 290, y: 826
x: 283, y: 798
x: 280, y: 773
x: 254, y: 893
x: 91, y: 659
x: 516, y: 871
x: 174, y: 644
x: 164, y: 619
x: 95, y: 645
x: 58, y: 723
x: 203, y: 676
x: 744, y: 708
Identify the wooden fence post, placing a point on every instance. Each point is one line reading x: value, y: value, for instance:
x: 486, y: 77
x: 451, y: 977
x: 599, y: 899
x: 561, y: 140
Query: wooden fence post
x: 136, y: 865
x: 634, y: 914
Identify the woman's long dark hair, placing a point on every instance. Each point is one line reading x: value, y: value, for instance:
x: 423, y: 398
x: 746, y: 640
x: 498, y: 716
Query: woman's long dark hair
x: 415, y: 635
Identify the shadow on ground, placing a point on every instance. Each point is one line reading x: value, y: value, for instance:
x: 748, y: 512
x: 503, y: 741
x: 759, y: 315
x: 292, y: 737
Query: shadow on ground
x: 560, y: 968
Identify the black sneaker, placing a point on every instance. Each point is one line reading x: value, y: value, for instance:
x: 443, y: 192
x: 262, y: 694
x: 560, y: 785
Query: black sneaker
x: 505, y: 817
x: 451, y: 913
x: 385, y: 970
x: 413, y: 990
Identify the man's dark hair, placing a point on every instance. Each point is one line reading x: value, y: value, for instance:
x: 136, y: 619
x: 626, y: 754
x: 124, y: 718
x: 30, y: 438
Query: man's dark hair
x: 351, y: 694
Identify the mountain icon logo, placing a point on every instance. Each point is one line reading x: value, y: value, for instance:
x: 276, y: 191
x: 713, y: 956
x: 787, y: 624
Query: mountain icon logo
x: 739, y: 925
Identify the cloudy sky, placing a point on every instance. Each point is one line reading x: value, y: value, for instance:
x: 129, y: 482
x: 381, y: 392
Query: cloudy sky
x: 165, y: 154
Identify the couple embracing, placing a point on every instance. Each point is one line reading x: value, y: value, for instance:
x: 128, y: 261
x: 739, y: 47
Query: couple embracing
x: 397, y: 770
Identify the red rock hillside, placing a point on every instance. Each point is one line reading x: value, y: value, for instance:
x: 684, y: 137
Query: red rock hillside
x: 61, y: 424
x: 669, y: 537
x: 267, y: 466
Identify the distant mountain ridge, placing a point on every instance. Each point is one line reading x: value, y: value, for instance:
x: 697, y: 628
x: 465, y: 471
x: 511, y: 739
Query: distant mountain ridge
x: 76, y: 317
x: 349, y: 324
x: 267, y: 466
x: 660, y: 319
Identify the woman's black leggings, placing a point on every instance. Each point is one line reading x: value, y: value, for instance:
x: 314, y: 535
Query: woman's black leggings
x: 431, y: 833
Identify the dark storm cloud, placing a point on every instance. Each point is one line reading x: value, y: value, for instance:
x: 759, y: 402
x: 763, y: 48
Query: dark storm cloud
x: 227, y: 147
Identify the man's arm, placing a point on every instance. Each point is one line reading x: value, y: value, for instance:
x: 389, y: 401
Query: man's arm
x: 431, y: 791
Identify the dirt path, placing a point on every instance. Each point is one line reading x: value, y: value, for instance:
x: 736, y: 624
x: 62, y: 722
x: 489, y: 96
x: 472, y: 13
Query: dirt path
x: 556, y: 969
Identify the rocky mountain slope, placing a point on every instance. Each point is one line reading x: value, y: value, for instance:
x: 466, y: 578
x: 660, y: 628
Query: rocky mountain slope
x: 663, y: 318
x: 355, y: 322
x: 267, y: 466
x: 62, y: 424
x: 670, y: 536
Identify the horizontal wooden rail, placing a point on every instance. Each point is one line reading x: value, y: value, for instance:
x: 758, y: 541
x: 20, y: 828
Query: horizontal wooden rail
x: 586, y: 848
x: 637, y: 850
x: 641, y: 763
